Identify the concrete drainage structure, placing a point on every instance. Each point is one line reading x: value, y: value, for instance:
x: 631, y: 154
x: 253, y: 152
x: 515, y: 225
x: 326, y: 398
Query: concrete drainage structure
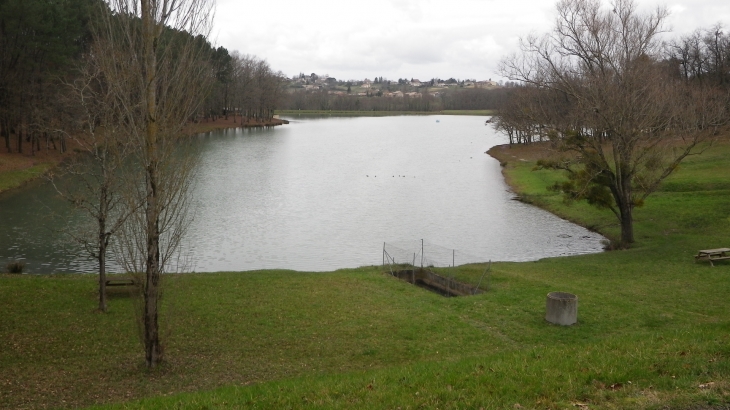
x: 561, y: 308
x: 436, y: 283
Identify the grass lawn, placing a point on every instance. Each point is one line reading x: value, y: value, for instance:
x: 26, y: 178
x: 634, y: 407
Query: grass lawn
x: 17, y: 177
x: 653, y: 326
x: 17, y: 169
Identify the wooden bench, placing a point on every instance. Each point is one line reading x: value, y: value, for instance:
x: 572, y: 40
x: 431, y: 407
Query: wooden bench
x: 711, y: 255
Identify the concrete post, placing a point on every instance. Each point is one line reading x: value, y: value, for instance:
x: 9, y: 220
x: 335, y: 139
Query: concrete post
x: 561, y: 308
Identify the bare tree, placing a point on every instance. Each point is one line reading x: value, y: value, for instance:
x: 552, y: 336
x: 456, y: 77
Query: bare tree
x: 703, y: 56
x: 627, y: 121
x: 151, y: 54
x: 525, y: 113
x: 94, y: 181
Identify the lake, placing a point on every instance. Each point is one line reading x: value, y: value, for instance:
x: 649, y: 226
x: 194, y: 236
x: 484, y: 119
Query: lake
x: 327, y: 193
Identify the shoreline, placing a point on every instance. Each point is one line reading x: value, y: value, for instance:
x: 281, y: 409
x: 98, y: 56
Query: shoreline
x: 232, y: 122
x: 384, y: 113
x: 19, y: 169
x: 510, y: 157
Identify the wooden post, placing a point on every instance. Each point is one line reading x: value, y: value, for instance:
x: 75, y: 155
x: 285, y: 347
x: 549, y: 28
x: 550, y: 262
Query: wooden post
x: 421, y: 254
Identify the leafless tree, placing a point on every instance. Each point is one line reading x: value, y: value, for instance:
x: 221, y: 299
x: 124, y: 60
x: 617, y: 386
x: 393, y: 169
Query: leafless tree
x: 150, y: 52
x: 526, y: 112
x: 628, y: 122
x: 703, y: 56
x: 94, y: 180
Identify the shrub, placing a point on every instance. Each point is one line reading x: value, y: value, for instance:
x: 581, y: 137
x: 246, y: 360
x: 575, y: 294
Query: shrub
x: 15, y: 267
x: 614, y: 245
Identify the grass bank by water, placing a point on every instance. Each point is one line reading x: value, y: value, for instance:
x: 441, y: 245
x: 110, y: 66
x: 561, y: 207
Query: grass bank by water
x: 17, y: 169
x: 653, y: 329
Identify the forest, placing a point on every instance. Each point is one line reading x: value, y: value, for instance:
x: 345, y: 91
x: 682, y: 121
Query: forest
x: 44, y: 47
x: 699, y: 60
x: 452, y: 99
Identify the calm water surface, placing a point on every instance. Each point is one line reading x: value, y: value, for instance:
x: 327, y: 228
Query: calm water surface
x: 321, y: 194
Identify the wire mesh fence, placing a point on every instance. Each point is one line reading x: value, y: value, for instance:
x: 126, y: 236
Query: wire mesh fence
x: 418, y: 262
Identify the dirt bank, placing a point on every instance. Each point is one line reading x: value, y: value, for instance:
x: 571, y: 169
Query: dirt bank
x: 234, y: 122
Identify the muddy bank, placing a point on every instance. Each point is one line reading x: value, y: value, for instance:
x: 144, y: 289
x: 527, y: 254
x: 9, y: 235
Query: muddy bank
x: 234, y: 122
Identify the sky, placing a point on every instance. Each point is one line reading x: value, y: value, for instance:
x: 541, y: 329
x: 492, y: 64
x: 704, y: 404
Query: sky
x: 421, y: 39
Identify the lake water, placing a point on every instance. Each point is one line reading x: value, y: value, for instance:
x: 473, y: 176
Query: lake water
x: 322, y: 194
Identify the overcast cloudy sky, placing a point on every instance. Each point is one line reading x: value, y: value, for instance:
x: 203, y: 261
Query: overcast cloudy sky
x: 406, y: 38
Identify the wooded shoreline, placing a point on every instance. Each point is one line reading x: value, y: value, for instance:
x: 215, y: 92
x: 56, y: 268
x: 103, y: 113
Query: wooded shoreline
x: 18, y: 169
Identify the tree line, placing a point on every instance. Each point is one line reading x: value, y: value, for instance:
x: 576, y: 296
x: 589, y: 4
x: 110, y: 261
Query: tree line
x: 44, y: 44
x: 620, y: 108
x: 246, y: 86
x: 457, y: 99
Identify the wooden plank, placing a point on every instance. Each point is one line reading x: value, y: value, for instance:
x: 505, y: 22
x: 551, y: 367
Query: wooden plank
x: 720, y: 258
x: 712, y: 251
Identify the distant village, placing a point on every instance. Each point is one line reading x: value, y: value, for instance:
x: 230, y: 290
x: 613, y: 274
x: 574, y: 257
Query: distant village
x: 412, y: 88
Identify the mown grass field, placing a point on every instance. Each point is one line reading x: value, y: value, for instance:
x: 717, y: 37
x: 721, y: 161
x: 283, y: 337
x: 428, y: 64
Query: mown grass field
x: 653, y: 330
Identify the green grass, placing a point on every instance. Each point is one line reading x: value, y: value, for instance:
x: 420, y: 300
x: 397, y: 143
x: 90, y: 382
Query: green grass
x: 16, y: 178
x: 653, y: 327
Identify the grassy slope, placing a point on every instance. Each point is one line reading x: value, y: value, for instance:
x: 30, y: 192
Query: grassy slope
x: 653, y: 327
x: 15, y: 178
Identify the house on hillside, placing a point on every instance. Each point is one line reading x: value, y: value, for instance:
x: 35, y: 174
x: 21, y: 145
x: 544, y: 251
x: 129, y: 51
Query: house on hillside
x: 487, y: 84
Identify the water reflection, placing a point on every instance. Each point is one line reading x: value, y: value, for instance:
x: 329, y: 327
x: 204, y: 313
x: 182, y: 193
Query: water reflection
x: 325, y: 194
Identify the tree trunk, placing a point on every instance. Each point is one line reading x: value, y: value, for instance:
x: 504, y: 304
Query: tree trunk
x: 103, y: 242
x: 102, y: 268
x: 627, y: 224
x: 623, y: 195
x: 153, y: 350
x: 6, y: 134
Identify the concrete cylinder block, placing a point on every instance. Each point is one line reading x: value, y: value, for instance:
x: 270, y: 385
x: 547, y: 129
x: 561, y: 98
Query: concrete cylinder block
x: 561, y: 308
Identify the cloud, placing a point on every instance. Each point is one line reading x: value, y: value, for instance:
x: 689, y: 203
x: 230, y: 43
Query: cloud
x: 406, y: 38
x: 411, y: 9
